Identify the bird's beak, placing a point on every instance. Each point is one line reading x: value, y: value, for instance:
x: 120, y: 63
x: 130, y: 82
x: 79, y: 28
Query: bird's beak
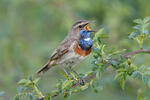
x: 91, y: 31
x: 86, y: 27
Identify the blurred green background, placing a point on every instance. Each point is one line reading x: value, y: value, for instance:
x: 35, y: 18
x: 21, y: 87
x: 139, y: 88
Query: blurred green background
x: 31, y: 29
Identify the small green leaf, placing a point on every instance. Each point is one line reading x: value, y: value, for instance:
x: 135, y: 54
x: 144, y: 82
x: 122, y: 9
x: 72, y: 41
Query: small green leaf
x: 146, y: 32
x: 121, y: 70
x: 48, y: 96
x: 67, y: 84
x: 118, y: 75
x: 16, y: 97
x: 99, y: 32
x: 138, y: 21
x: 135, y: 74
x: 98, y: 74
x: 122, y: 83
x: 146, y: 25
x: 19, y: 89
x: 29, y: 83
x: 103, y: 36
x: 146, y: 19
x: 142, y: 68
x: 36, y: 80
x: 144, y: 79
x: 138, y: 27
x: 30, y: 78
x: 114, y: 63
x: 124, y: 75
x: 31, y: 97
x: 134, y: 34
x: 22, y: 82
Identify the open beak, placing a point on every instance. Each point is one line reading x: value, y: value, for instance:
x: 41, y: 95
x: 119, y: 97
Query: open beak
x: 91, y: 31
x: 86, y: 27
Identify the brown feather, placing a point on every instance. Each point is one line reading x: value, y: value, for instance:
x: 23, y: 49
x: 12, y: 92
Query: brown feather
x: 63, y: 47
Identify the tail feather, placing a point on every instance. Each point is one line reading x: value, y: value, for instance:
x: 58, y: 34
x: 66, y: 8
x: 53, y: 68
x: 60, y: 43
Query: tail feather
x: 44, y: 69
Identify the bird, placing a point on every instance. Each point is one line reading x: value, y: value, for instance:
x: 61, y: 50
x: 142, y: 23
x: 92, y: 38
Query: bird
x: 72, y: 50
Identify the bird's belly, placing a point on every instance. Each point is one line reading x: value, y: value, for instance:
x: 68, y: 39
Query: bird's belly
x: 71, y: 59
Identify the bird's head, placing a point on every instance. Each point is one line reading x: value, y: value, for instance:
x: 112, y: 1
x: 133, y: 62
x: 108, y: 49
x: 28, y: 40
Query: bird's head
x: 78, y: 26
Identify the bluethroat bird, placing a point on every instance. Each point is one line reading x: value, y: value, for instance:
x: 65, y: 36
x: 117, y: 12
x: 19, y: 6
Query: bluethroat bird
x: 72, y: 50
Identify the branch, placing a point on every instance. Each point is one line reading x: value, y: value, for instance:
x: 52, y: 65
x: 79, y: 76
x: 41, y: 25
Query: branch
x: 130, y: 54
x: 108, y: 64
x: 136, y: 52
x: 115, y: 59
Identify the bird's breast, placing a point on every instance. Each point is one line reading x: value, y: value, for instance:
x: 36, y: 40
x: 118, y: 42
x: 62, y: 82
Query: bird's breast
x: 78, y: 50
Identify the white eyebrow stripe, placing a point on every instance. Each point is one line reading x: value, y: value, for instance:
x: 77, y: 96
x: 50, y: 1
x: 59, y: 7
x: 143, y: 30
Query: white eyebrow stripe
x: 87, y: 39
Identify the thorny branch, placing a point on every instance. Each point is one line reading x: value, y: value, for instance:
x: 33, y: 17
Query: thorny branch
x: 108, y: 64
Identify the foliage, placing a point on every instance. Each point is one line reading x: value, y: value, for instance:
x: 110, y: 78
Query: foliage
x: 30, y: 30
x: 141, y: 30
x: 122, y: 63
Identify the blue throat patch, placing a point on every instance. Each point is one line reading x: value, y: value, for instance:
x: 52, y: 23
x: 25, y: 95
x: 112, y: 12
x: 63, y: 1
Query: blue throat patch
x: 85, y: 41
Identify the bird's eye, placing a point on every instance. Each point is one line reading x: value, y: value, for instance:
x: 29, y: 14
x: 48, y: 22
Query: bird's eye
x: 80, y: 26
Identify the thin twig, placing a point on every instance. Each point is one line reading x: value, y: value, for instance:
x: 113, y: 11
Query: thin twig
x: 115, y: 59
x: 108, y: 64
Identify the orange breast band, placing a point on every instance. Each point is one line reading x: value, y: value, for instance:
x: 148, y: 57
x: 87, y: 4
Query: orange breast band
x: 81, y: 52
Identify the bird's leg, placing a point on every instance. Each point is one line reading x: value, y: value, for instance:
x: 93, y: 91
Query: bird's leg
x: 82, y: 81
x: 67, y: 73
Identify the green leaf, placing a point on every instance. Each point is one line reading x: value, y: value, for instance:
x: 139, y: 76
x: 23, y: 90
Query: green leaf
x: 67, y: 84
x: 103, y: 36
x: 146, y: 19
x: 36, y: 80
x: 16, y: 97
x: 99, y: 32
x: 114, y: 63
x: 22, y: 82
x: 121, y: 70
x: 144, y: 78
x: 19, y: 89
x: 142, y: 68
x: 146, y: 32
x: 98, y: 74
x: 122, y: 83
x: 118, y: 75
x: 30, y: 78
x: 135, y: 74
x: 138, y: 27
x: 96, y: 89
x: 48, y: 96
x: 138, y: 21
x: 29, y: 83
x: 134, y: 34
x: 124, y: 75
x: 146, y: 25
x: 31, y: 97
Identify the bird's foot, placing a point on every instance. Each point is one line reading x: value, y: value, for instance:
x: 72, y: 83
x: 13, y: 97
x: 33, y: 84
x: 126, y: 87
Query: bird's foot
x: 82, y: 82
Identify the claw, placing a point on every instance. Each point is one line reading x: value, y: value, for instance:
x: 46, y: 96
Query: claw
x: 82, y: 82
